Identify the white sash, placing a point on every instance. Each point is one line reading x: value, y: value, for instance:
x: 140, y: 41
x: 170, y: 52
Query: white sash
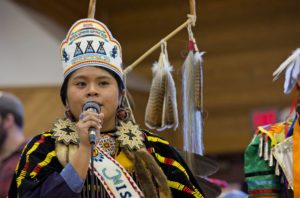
x: 283, y: 153
x: 114, y: 178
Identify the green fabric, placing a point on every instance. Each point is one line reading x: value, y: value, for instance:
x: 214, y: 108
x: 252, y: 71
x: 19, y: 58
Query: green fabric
x: 259, y: 175
x: 265, y: 182
x: 254, y: 163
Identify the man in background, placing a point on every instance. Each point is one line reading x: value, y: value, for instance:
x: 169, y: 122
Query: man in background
x: 12, y: 139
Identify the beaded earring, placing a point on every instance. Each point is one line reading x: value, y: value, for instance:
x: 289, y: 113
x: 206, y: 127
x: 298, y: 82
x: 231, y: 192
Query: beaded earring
x: 123, y: 111
x: 68, y: 114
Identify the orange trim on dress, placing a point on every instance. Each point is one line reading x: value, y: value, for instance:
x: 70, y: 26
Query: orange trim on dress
x: 296, y: 158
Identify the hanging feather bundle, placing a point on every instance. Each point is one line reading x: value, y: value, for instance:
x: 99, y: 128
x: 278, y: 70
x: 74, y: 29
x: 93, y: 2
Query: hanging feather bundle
x: 154, y: 109
x: 170, y: 113
x: 161, y: 110
x: 192, y: 98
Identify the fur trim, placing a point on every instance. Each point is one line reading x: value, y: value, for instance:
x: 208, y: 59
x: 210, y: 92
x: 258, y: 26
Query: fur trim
x: 157, y: 173
x: 62, y: 152
x: 143, y: 175
x: 65, y: 152
x: 144, y: 178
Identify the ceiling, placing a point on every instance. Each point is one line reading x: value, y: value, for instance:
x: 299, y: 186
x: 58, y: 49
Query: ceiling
x: 245, y: 41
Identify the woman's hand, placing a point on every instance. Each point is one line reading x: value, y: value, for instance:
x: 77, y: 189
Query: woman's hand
x: 81, y: 158
x: 87, y: 120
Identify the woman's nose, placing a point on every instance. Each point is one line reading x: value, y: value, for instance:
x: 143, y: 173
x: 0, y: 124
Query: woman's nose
x: 92, y: 91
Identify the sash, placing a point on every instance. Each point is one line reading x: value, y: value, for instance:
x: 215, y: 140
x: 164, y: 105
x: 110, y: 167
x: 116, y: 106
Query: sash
x: 115, y: 179
x: 283, y: 153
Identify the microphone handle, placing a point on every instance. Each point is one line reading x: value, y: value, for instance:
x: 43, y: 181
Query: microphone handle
x: 92, y: 135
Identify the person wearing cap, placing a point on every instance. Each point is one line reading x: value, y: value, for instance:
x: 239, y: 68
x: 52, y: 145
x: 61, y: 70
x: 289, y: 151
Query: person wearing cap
x: 128, y: 161
x: 12, y: 138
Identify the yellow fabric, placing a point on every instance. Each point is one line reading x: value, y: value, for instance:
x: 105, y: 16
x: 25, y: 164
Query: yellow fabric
x: 276, y: 132
x: 124, y: 161
x: 296, y: 158
x: 17, y: 166
x: 180, y: 187
x: 175, y: 185
x: 156, y: 139
x: 173, y: 163
x: 47, y: 134
x: 262, y: 130
x: 44, y: 163
x: 33, y: 148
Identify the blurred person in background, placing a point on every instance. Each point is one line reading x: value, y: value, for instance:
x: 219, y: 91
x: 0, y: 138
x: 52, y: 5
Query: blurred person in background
x: 12, y: 138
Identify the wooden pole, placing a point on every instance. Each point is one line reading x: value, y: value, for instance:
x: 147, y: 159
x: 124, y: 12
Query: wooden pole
x: 92, y: 9
x: 157, y: 45
x: 191, y: 20
x: 192, y: 7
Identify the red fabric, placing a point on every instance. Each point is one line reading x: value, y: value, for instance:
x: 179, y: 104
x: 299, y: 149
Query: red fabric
x: 168, y: 161
x: 191, y: 46
x: 263, y: 191
x: 7, y: 169
x: 218, y: 182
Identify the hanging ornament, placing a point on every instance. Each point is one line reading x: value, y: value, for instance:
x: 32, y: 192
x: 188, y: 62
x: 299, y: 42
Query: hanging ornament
x: 129, y: 135
x: 192, y: 86
x: 266, y: 149
x: 260, y: 146
x: 65, y: 131
x: 161, y: 110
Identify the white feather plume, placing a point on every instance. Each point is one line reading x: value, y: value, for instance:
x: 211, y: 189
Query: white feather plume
x: 292, y: 71
x: 192, y: 118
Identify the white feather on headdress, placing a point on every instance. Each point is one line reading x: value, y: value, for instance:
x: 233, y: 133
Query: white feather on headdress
x: 292, y: 71
x: 291, y: 75
x: 161, y: 110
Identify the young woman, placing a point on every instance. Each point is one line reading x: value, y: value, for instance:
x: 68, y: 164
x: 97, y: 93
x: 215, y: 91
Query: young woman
x: 128, y: 161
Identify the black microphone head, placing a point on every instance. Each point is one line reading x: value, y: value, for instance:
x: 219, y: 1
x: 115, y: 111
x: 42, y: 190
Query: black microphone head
x: 91, y: 105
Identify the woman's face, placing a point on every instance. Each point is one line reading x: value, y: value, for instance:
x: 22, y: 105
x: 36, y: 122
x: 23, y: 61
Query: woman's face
x: 94, y: 84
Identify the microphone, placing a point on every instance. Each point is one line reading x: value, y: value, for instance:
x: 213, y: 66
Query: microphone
x: 92, y: 106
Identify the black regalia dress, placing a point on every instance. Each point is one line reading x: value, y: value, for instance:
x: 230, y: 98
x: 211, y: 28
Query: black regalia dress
x: 38, y: 172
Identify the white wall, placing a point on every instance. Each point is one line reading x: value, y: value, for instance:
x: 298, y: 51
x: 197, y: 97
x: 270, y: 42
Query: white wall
x: 29, y: 54
x: 29, y: 50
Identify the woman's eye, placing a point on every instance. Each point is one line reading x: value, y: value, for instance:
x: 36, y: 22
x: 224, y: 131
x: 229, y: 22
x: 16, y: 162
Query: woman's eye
x: 80, y: 84
x: 103, y: 83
